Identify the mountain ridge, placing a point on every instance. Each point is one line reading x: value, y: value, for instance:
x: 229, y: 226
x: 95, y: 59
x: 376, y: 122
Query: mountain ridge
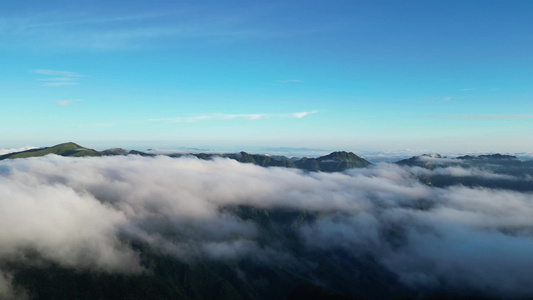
x: 334, y: 162
x: 431, y: 161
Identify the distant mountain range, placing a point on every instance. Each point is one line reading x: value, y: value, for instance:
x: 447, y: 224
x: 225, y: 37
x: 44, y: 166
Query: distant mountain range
x: 432, y: 161
x: 334, y: 162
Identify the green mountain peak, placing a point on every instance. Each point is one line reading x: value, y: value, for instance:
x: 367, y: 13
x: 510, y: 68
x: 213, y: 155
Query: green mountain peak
x: 64, y: 149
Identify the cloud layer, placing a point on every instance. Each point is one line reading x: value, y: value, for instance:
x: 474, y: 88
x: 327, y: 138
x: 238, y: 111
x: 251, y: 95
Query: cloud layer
x: 81, y: 213
x: 218, y: 116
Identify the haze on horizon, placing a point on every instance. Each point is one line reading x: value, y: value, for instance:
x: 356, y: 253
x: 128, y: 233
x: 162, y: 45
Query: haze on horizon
x: 446, y: 76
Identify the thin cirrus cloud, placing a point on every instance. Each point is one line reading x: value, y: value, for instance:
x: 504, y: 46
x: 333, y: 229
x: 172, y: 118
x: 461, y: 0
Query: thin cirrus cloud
x: 289, y: 81
x: 63, y: 102
x: 218, y: 116
x: 59, y: 83
x: 56, y: 73
x: 121, y: 31
x: 57, y: 78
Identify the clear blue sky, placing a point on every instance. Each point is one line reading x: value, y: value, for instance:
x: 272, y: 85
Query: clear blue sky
x: 346, y: 75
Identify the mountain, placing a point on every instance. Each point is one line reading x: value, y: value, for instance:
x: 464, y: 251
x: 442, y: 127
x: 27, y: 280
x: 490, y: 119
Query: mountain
x: 65, y: 149
x: 528, y: 163
x: 115, y: 151
x: 496, y: 156
x: 334, y: 162
x: 466, y: 171
x: 135, y: 152
x: 262, y: 160
x: 428, y: 161
x: 339, y: 161
x: 121, y: 151
x: 497, y: 159
x: 431, y: 161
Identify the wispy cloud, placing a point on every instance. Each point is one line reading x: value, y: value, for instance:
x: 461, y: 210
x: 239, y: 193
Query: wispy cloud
x: 59, y: 83
x: 289, y: 81
x: 303, y: 114
x: 96, y: 20
x: 63, y: 102
x: 218, y: 116
x: 484, y: 117
x: 469, y: 89
x: 107, y: 30
x: 58, y: 79
x: 61, y: 78
x: 57, y: 73
x: 447, y: 98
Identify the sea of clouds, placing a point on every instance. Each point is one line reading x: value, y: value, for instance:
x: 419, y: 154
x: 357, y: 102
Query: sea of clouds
x: 80, y: 213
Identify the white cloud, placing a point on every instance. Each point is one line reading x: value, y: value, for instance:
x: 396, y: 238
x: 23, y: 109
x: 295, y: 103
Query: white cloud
x: 65, y: 77
x: 218, y: 116
x: 56, y: 73
x: 6, y: 151
x: 304, y: 113
x: 59, y: 83
x: 63, y: 102
x: 58, y: 79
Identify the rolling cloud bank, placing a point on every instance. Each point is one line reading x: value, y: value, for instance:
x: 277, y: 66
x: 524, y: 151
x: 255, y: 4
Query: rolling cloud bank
x: 385, y: 231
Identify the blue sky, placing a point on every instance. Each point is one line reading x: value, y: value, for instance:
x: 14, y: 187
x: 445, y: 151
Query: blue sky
x: 441, y: 76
